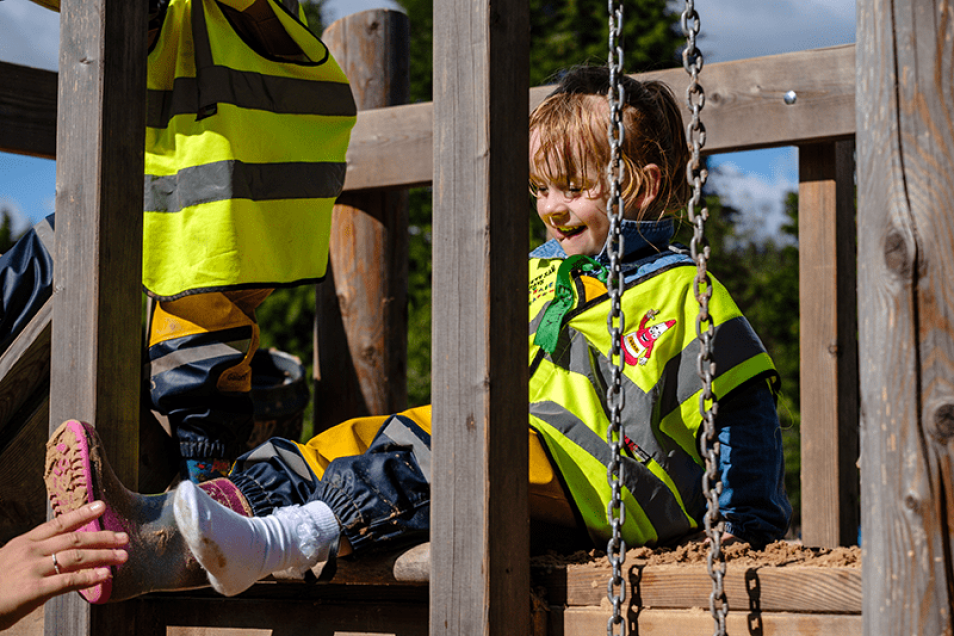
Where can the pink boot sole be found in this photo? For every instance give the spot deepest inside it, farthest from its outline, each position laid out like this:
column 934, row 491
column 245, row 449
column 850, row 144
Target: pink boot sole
column 73, row 479
column 77, row 472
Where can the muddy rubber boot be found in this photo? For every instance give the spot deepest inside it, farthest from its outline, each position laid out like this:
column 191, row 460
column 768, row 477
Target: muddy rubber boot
column 77, row 472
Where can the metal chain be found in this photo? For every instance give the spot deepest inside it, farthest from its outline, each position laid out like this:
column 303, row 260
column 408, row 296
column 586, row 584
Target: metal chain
column 615, row 322
column 693, row 61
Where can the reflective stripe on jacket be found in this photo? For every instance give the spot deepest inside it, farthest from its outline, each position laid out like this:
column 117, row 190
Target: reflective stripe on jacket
column 245, row 155
column 662, row 468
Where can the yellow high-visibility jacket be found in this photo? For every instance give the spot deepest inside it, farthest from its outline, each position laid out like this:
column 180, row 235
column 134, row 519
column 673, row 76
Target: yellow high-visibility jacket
column 245, row 152
column 661, row 487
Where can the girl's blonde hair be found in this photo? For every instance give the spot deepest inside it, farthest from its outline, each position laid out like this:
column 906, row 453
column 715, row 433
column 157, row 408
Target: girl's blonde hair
column 571, row 128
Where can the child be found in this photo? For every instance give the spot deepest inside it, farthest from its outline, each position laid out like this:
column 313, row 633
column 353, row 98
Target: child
column 226, row 217
column 365, row 483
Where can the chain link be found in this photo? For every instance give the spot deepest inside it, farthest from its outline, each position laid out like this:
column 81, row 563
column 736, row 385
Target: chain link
column 692, row 60
column 615, row 322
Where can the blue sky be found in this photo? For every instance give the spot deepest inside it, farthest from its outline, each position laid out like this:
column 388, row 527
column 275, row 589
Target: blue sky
column 754, row 182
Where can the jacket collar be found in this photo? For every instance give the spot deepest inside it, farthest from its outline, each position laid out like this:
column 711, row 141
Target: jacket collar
column 641, row 239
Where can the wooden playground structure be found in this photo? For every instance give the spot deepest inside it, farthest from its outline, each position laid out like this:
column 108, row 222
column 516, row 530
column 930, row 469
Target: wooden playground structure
column 877, row 361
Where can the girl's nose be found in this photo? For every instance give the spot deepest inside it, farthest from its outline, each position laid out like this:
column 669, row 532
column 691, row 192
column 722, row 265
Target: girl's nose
column 554, row 203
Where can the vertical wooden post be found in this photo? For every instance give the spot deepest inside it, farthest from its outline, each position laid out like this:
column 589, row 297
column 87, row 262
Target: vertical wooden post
column 905, row 135
column 829, row 344
column 361, row 315
column 96, row 312
column 479, row 530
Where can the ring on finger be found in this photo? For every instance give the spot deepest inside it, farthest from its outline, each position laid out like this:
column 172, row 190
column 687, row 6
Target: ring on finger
column 56, row 566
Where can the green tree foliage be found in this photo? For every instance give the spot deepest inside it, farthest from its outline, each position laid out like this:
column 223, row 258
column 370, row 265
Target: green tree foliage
column 315, row 15
column 563, row 33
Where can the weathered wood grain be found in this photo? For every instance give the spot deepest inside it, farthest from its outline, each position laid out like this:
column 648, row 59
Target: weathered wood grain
column 25, row 365
column 744, row 109
column 392, row 147
column 650, row 622
column 828, row 345
column 22, row 493
column 777, row 589
column 97, row 279
column 480, row 529
column 361, row 315
column 905, row 141
column 28, row 110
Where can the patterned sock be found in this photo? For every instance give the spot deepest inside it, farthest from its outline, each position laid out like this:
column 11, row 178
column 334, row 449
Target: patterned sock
column 199, row 470
column 237, row 551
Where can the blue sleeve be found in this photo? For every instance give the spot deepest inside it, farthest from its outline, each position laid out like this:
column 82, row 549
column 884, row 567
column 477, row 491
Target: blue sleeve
column 26, row 280
column 752, row 465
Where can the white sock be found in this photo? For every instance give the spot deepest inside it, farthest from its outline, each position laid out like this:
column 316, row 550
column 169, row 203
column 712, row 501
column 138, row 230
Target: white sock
column 237, row 551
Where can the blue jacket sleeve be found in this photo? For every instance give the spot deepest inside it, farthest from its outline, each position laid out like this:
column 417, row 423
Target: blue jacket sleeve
column 26, row 280
column 752, row 465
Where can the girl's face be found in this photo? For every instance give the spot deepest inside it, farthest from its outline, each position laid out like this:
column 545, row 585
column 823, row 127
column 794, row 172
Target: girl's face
column 576, row 218
column 573, row 215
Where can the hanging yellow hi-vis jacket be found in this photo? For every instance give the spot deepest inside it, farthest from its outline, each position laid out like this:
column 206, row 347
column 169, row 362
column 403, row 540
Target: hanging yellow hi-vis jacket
column 245, row 153
column 571, row 370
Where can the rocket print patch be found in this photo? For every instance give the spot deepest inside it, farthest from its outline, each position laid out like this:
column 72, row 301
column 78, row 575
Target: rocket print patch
column 638, row 345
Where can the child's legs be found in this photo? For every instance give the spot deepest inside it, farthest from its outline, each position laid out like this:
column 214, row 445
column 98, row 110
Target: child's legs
column 200, row 353
column 381, row 495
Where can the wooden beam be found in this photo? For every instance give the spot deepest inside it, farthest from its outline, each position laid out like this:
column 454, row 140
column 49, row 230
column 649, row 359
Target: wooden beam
column 828, row 310
column 22, row 492
column 905, row 127
column 97, row 279
column 360, row 353
column 25, row 365
column 745, row 109
column 392, row 147
column 480, row 519
column 831, row 590
column 575, row 621
column 28, row 104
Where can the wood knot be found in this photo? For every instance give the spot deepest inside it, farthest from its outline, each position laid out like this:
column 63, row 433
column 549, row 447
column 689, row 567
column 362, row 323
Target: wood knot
column 911, row 503
column 896, row 253
column 944, row 423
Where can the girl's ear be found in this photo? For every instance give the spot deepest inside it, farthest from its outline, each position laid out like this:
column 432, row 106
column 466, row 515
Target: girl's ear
column 648, row 190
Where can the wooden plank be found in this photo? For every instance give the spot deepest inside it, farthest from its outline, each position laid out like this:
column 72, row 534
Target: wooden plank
column 22, row 493
column 96, row 305
column 361, row 315
column 589, row 621
column 828, row 312
column 776, row 589
column 253, row 617
column 392, row 147
column 906, row 313
column 25, row 365
column 28, row 108
column 480, row 530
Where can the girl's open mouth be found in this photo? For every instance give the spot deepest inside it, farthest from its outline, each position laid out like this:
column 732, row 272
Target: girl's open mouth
column 568, row 232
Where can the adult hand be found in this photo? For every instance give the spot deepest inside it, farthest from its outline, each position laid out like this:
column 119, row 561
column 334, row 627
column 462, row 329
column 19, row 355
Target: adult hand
column 53, row 559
